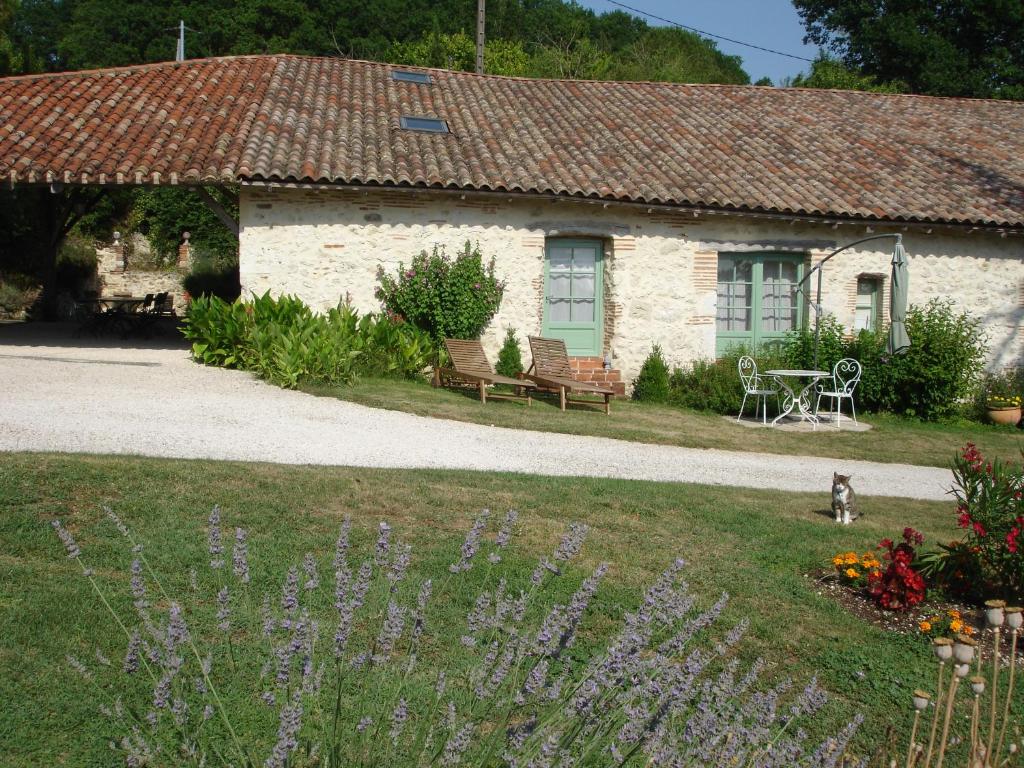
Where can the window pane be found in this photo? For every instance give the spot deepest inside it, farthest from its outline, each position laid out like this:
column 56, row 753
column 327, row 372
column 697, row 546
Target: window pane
column 584, row 259
column 558, row 286
column 583, row 311
column 866, row 286
column 734, row 269
column 582, row 286
column 778, row 320
column 560, row 259
column 863, row 320
column 558, row 310
column 735, row 319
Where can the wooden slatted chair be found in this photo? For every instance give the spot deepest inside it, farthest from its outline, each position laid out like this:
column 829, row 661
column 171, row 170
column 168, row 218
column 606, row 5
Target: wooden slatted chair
column 550, row 368
column 469, row 364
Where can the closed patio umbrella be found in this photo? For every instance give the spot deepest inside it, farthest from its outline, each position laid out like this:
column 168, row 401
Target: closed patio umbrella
column 899, row 341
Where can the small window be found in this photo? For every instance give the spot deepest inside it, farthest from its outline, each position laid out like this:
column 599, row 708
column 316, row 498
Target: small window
column 866, row 317
column 411, row 77
column 428, row 124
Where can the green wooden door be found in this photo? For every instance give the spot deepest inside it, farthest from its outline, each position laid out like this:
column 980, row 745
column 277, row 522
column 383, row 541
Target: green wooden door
column 573, row 308
column 757, row 299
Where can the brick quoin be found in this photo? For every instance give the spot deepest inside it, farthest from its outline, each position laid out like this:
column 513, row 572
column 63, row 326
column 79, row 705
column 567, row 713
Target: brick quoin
column 591, row 369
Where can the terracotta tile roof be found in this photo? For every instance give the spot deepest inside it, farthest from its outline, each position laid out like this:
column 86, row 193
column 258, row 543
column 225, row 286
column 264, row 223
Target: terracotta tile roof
column 308, row 120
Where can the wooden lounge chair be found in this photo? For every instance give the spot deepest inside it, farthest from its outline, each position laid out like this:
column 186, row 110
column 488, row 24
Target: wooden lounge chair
column 469, row 364
column 550, row 368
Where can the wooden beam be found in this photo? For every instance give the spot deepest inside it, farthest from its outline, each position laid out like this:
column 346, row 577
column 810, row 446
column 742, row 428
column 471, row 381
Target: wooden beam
column 219, row 211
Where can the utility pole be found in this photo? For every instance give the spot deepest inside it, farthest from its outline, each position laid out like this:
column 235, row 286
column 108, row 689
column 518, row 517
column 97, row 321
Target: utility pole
column 480, row 14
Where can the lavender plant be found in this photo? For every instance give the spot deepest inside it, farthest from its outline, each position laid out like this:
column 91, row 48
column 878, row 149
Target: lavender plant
column 355, row 670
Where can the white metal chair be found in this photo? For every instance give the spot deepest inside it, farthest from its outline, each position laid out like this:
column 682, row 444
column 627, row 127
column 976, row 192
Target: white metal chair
column 756, row 385
column 842, row 383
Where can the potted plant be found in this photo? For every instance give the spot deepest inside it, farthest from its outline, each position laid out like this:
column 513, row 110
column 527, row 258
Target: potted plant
column 1002, row 401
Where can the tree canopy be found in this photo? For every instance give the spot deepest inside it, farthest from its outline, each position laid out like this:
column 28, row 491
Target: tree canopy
column 966, row 48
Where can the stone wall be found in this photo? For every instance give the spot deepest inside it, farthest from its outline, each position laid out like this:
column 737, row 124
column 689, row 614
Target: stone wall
column 660, row 267
column 113, row 278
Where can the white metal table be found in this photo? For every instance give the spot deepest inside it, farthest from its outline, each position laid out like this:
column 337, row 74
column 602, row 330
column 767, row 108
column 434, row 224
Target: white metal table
column 790, row 399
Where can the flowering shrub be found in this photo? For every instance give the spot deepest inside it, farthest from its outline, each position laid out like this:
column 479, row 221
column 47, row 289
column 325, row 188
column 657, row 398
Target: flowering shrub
column 899, row 587
column 1002, row 390
column 855, row 570
column 444, row 296
column 945, row 624
column 989, row 560
column 353, row 672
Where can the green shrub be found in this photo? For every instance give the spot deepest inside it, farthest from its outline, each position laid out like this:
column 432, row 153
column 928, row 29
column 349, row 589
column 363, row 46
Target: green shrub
column 17, row 292
column 76, row 264
column 208, row 278
column 510, row 358
column 283, row 341
column 714, row 385
column 798, row 349
column 652, row 383
column 444, row 296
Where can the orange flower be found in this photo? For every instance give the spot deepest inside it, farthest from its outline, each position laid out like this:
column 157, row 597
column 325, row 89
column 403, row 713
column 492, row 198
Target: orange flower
column 926, row 626
column 837, row 560
column 967, row 630
column 956, row 625
column 851, row 558
column 851, row 573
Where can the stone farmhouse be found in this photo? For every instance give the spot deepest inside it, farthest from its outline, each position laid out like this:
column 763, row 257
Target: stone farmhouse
column 620, row 215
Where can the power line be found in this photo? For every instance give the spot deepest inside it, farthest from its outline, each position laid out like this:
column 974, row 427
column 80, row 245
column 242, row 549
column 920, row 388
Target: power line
column 708, row 34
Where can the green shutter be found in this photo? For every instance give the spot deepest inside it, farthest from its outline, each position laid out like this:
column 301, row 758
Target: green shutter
column 757, row 303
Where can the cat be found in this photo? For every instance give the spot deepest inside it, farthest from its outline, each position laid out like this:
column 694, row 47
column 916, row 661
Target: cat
column 844, row 500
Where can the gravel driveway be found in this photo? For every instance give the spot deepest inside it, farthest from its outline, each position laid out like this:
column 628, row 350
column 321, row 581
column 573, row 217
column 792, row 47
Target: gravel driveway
column 63, row 394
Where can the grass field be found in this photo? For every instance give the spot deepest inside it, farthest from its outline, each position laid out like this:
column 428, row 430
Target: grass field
column 891, row 439
column 758, row 546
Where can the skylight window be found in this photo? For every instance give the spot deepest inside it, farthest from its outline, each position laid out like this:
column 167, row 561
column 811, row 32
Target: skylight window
column 427, row 124
column 411, row 77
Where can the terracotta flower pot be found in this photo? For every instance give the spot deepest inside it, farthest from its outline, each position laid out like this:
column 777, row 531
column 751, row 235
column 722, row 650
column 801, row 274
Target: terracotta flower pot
column 1004, row 415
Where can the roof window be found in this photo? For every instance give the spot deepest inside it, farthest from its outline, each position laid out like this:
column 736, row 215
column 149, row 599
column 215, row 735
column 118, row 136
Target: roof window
column 411, row 77
column 426, row 124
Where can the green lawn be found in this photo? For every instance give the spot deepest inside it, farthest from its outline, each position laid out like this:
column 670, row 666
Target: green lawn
column 759, row 546
column 890, row 440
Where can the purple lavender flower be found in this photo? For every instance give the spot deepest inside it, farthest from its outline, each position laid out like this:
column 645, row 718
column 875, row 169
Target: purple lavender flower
column 312, row 577
column 193, row 579
column 399, row 565
column 214, row 535
column 471, row 544
column 162, row 691
column 240, row 556
column 131, row 656
column 78, row 666
column 267, row 616
column 442, row 683
column 362, row 584
column 341, row 546
column 67, row 539
column 290, row 593
column 572, row 542
column 223, row 610
column 364, row 723
column 380, row 555
column 456, row 745
column 138, row 585
column 289, row 722
column 419, row 617
column 504, row 536
column 398, row 718
column 121, row 527
column 390, row 632
column 207, row 712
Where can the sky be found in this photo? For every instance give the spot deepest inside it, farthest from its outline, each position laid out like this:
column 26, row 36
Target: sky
column 768, row 23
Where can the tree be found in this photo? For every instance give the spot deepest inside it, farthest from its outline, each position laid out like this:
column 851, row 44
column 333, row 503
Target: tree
column 458, row 51
column 966, row 48
column 827, row 72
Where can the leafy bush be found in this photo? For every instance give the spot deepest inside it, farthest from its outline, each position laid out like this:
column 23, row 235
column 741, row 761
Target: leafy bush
column 209, row 278
column 444, row 296
column 510, row 358
column 285, row 342
column 937, row 375
column 989, row 560
column 17, row 292
column 714, row 385
column 798, row 350
column 364, row 670
column 652, row 383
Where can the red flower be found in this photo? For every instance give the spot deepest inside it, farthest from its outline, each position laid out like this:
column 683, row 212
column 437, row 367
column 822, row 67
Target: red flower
column 979, row 529
column 1011, row 540
column 885, row 544
column 964, row 521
